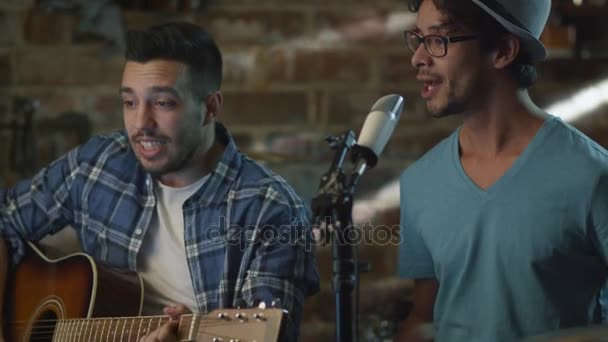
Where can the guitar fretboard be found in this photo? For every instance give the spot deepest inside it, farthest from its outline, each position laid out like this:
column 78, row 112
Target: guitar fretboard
column 122, row 329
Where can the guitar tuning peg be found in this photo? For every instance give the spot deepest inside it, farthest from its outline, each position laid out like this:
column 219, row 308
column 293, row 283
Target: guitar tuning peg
column 259, row 316
column 241, row 316
column 276, row 303
column 262, row 305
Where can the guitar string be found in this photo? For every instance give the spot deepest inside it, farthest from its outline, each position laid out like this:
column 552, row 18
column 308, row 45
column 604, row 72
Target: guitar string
column 52, row 327
column 138, row 333
column 122, row 337
column 101, row 319
column 129, row 336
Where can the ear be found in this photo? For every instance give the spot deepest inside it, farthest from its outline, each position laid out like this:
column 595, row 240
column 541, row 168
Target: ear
column 213, row 103
column 507, row 52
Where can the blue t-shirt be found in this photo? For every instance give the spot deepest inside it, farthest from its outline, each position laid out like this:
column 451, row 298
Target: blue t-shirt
column 525, row 256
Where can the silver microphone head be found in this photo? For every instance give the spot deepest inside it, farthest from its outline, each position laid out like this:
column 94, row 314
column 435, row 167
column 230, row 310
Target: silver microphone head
column 380, row 123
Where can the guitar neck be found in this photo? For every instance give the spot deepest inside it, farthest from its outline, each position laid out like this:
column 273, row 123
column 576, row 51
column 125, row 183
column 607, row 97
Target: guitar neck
column 122, row 329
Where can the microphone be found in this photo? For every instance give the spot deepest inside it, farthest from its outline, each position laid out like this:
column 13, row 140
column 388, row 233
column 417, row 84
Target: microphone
column 375, row 133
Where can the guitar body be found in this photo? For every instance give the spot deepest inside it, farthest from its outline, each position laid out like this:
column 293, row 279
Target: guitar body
column 41, row 291
column 75, row 299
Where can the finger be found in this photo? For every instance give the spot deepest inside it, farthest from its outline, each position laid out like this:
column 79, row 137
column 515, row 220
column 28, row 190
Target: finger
column 176, row 310
column 151, row 337
column 167, row 332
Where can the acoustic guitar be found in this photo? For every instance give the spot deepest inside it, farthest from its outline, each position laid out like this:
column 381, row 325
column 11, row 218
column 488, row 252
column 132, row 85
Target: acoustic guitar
column 77, row 299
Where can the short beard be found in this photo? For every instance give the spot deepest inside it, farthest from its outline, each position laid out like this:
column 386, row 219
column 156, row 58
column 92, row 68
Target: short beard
column 453, row 108
column 173, row 166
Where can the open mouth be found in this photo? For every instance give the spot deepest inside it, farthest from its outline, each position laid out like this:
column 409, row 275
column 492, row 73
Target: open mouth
column 149, row 148
column 430, row 88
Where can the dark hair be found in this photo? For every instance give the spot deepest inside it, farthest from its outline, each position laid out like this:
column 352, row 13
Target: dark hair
column 467, row 15
column 183, row 42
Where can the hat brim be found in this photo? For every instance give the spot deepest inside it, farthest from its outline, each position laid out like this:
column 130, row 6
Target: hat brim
column 532, row 45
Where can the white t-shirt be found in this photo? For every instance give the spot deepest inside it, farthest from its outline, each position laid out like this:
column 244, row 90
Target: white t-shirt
column 162, row 259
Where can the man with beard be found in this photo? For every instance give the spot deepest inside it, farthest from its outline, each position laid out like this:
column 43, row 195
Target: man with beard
column 169, row 195
column 505, row 222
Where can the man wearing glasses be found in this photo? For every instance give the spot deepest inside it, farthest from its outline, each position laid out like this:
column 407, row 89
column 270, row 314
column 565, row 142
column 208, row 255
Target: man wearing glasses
column 505, row 222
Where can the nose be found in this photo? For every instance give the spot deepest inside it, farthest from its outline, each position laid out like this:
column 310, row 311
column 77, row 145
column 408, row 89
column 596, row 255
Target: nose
column 143, row 117
column 421, row 57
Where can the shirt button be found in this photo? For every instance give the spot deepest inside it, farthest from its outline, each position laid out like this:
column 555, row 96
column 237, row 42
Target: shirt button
column 138, row 231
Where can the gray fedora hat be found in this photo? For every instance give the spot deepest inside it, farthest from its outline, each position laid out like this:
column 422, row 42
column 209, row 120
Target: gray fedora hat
column 525, row 19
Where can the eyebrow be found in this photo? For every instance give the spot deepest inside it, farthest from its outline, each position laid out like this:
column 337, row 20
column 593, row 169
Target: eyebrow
column 155, row 89
column 441, row 27
column 123, row 90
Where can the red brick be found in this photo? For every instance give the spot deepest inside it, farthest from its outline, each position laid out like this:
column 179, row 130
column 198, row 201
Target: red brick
column 238, row 65
column 395, row 67
column 360, row 25
column 106, row 121
column 43, row 66
column 16, row 5
column 80, row 66
column 305, row 146
column 56, row 136
column 569, row 70
column 51, row 102
column 264, row 108
column 244, row 141
column 106, row 103
column 10, row 28
column 336, row 66
column 4, row 107
column 253, row 26
column 6, row 74
column 49, row 27
column 105, row 110
column 274, row 64
column 350, row 108
column 315, row 330
column 90, row 66
column 138, row 20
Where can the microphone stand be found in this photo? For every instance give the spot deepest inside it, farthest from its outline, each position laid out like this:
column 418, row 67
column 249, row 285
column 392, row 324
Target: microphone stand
column 332, row 212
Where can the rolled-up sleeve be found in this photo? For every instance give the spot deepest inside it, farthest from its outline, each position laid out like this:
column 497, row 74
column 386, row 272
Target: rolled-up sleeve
column 39, row 206
column 282, row 266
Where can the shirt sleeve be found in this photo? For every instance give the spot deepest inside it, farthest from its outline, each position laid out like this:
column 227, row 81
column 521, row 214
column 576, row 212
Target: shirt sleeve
column 283, row 265
column 37, row 207
column 415, row 261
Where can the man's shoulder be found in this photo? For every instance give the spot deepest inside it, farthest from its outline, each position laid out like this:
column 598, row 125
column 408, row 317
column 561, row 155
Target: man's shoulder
column 575, row 146
column 432, row 161
column 105, row 145
column 257, row 179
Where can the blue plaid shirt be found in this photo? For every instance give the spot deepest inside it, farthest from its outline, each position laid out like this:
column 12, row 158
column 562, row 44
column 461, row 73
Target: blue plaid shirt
column 247, row 233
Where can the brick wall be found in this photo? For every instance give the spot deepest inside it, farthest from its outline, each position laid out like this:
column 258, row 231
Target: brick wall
column 295, row 72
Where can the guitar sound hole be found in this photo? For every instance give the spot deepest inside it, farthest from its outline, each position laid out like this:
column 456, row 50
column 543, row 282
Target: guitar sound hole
column 44, row 327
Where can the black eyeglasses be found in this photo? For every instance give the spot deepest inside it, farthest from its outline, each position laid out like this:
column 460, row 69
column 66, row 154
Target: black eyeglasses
column 435, row 45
